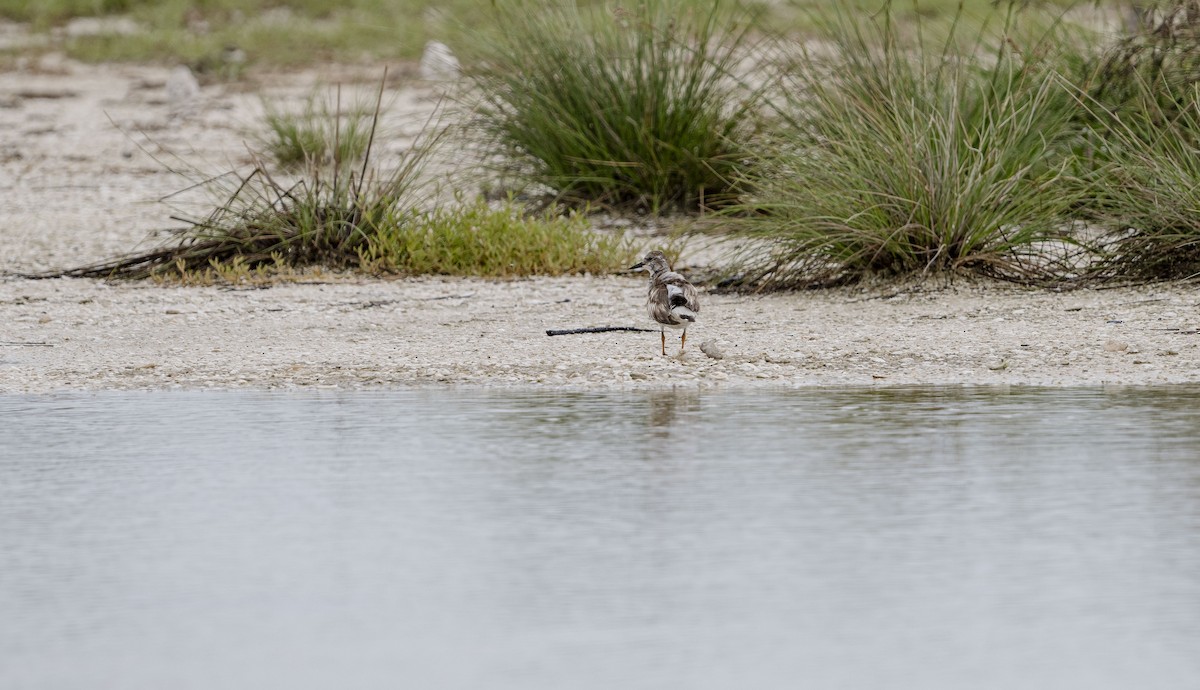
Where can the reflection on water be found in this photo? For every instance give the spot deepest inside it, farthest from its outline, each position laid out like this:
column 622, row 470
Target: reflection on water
column 882, row 538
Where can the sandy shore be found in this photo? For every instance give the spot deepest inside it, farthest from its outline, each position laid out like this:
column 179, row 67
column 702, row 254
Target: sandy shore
column 77, row 188
column 82, row 334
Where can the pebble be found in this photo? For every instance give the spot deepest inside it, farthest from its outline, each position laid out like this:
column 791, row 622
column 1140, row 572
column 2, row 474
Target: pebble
column 101, row 26
column 710, row 348
column 1115, row 346
column 182, row 89
column 438, row 63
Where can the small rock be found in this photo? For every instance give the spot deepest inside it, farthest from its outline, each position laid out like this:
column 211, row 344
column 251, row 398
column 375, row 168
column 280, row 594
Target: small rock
column 998, row 365
column 182, row 88
column 438, row 63
column 53, row 63
column 101, row 26
column 233, row 56
column 1115, row 346
column 710, row 348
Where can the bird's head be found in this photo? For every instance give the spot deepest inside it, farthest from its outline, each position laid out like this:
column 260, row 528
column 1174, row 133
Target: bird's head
column 654, row 262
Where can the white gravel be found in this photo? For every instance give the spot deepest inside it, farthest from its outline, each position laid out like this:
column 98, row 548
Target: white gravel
column 76, row 190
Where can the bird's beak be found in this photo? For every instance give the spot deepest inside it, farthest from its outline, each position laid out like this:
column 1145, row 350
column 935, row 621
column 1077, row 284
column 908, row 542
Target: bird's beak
column 637, row 266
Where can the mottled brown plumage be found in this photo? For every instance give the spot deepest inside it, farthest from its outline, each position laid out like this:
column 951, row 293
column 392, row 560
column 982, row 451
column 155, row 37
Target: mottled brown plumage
column 672, row 300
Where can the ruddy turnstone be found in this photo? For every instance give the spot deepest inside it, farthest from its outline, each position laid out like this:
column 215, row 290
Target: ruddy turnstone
column 672, row 299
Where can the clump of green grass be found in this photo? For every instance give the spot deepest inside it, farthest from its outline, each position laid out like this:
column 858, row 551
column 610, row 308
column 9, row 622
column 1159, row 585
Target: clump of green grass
column 896, row 158
column 1147, row 191
column 265, row 223
column 320, row 134
column 634, row 109
column 1140, row 119
column 476, row 239
column 325, row 216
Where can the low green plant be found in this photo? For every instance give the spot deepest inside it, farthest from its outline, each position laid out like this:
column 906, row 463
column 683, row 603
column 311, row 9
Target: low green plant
column 894, row 157
column 320, row 134
column 478, row 239
column 630, row 109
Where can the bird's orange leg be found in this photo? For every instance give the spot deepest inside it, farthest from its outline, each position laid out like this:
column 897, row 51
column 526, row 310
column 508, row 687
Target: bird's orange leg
column 663, row 333
column 683, row 341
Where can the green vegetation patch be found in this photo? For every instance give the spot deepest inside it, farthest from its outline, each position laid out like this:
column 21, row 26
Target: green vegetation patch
column 1139, row 116
column 638, row 109
column 477, row 239
column 267, row 32
column 1146, row 191
column 305, row 32
column 895, row 156
column 341, row 212
column 320, row 134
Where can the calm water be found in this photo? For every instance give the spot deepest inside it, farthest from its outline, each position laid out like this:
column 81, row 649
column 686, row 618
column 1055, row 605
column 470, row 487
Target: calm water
column 874, row 539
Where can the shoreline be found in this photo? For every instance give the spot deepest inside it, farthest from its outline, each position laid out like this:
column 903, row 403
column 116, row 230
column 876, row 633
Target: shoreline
column 88, row 335
column 83, row 189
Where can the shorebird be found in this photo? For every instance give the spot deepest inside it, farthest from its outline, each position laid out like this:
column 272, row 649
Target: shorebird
column 672, row 299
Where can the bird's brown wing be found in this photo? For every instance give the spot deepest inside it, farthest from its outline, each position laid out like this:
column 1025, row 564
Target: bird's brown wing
column 658, row 303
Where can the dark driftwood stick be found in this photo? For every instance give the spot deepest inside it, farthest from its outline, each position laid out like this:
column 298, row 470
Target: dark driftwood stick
column 598, row 329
